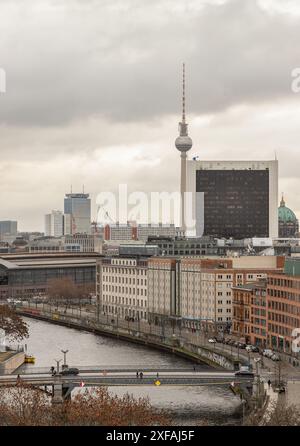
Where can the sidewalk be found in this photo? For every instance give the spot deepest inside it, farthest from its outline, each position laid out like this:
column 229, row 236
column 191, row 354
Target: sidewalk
column 271, row 404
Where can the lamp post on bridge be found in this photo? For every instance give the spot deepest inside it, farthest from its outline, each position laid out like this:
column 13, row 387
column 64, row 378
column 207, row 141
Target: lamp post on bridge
column 57, row 364
column 65, row 366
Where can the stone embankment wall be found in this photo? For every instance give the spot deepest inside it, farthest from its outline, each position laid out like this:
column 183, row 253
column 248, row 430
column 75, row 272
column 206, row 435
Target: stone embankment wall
column 12, row 363
column 181, row 348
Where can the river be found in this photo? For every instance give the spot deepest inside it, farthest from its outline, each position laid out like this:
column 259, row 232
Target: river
column 213, row 405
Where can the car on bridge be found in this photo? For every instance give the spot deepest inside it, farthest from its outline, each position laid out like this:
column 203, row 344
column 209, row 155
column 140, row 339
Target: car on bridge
column 70, row 371
column 244, row 371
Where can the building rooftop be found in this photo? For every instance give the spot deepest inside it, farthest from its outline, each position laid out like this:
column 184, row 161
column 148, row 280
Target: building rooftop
column 52, row 262
column 261, row 284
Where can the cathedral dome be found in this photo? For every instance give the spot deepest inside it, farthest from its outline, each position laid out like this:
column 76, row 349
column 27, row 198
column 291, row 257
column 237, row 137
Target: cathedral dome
column 285, row 214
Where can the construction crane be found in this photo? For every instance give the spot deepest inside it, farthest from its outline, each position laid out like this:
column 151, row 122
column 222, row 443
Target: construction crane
column 95, row 222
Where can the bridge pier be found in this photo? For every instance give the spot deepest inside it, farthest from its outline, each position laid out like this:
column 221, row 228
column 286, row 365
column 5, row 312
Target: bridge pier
column 61, row 391
column 57, row 397
column 67, row 391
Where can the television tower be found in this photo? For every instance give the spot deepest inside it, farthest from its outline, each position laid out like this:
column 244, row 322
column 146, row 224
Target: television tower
column 183, row 143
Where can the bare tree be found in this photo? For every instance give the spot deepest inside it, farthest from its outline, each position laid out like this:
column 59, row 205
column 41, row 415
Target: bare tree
column 26, row 406
column 280, row 414
column 13, row 325
column 63, row 291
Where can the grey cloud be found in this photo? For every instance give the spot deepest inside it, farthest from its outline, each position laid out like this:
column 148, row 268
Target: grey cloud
column 94, row 90
column 123, row 60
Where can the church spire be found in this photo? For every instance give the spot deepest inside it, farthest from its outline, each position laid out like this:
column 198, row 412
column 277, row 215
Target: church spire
column 282, row 203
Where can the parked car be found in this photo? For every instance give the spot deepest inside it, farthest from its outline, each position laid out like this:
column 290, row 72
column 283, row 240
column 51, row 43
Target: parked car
column 249, row 348
column 212, row 341
column 275, row 357
column 255, row 349
column 241, row 345
column 244, row 371
column 267, row 352
column 70, row 371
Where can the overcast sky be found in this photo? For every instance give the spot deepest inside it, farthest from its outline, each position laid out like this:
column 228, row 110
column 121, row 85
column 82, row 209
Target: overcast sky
column 94, row 88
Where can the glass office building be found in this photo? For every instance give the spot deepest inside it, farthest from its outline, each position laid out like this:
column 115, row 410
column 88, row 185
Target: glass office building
column 77, row 210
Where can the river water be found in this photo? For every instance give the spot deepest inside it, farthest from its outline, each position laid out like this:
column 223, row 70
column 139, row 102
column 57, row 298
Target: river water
column 213, row 405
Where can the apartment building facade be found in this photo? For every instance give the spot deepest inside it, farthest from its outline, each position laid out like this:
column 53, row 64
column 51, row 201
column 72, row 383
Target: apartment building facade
column 122, row 287
column 283, row 304
column 266, row 314
column 250, row 313
column 199, row 291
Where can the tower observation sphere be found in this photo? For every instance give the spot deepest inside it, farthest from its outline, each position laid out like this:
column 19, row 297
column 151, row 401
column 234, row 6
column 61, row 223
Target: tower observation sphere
column 183, row 143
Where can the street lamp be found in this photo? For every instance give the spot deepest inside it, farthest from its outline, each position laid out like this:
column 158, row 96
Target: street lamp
column 57, row 364
column 65, row 358
column 244, row 402
column 257, row 361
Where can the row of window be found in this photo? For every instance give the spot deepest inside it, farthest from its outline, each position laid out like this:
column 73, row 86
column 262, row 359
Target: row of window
column 126, row 290
column 127, row 271
column 127, row 280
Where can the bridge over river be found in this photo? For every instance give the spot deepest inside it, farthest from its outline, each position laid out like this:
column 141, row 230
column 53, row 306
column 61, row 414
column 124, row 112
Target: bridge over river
column 93, row 376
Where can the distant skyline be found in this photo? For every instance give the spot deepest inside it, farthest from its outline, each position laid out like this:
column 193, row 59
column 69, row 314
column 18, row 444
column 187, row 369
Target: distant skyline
column 93, row 95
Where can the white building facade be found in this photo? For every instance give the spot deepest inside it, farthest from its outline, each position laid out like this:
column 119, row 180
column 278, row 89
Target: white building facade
column 122, row 287
column 54, row 224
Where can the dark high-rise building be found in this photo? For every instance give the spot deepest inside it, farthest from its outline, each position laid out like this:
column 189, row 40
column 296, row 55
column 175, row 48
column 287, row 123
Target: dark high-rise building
column 234, row 198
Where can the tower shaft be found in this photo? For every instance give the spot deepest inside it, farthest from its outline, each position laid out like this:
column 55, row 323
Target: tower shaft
column 183, row 157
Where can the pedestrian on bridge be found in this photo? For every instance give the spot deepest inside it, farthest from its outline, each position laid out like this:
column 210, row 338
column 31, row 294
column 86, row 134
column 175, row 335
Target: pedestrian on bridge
column 269, row 383
column 141, row 375
column 157, row 375
column 137, row 373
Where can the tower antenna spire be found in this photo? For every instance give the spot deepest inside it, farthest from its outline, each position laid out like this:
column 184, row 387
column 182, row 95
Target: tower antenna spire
column 183, row 127
column 183, row 93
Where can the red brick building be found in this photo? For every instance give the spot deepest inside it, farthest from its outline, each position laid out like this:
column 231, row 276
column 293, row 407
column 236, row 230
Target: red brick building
column 250, row 312
column 283, row 298
column 265, row 313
